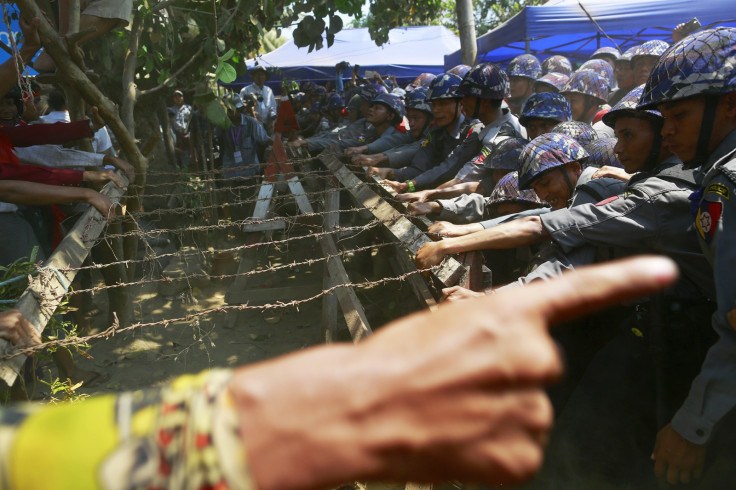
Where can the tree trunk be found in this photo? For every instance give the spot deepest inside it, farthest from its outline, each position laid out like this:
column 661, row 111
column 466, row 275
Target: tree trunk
column 163, row 118
column 466, row 27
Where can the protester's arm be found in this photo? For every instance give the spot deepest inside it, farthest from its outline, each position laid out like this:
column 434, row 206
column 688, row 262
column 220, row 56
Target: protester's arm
column 33, row 194
column 48, row 134
column 525, row 231
column 16, row 329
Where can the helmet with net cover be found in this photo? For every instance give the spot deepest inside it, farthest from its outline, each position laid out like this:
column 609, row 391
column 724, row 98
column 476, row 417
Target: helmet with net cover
column 505, row 155
column 334, row 101
column 485, row 81
column 579, row 131
column 393, row 103
column 655, row 47
column 507, row 191
column 459, row 70
column 545, row 153
column 627, row 55
column 601, row 154
column 587, row 83
column 601, row 53
column 417, row 99
column 525, row 65
column 627, row 106
column 545, row 105
column 444, row 87
column 557, row 64
column 423, row 80
column 702, row 64
column 368, row 92
column 554, row 80
column 601, row 67
column 399, row 92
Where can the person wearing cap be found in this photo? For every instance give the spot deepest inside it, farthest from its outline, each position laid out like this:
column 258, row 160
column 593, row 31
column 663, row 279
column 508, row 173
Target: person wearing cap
column 386, row 116
column 243, row 145
column 624, row 75
column 266, row 108
column 181, row 116
column 523, row 71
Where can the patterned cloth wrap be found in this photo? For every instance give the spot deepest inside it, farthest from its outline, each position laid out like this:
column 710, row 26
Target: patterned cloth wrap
column 606, row 50
column 525, row 65
column 507, row 191
column 546, row 105
column 555, row 80
column 505, row 155
column 579, row 131
column 701, row 64
column 393, row 103
column 557, row 64
column 588, row 83
column 417, row 99
column 601, row 67
column 602, row 154
column 628, row 105
column 459, row 70
column 485, row 81
column 444, row 87
column 547, row 152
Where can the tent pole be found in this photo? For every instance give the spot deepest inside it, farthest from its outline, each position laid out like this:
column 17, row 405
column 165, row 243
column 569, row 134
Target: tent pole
column 526, row 45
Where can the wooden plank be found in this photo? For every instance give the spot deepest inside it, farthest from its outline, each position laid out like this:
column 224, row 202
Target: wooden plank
column 329, row 301
column 263, row 202
column 349, row 303
column 248, row 262
column 449, row 271
column 46, row 291
column 403, row 265
column 388, row 190
column 278, row 224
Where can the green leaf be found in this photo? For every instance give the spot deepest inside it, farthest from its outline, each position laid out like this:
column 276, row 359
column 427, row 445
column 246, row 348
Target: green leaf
column 227, row 55
column 225, row 72
column 217, row 114
column 221, row 45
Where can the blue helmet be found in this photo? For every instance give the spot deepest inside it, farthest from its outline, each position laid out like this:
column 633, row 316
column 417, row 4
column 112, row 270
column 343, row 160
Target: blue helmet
column 334, row 101
column 627, row 106
column 601, row 53
column 655, row 48
column 579, row 131
column 545, row 105
column 368, row 92
column 601, row 153
column 316, row 107
column 505, row 155
column 557, row 64
column 587, row 83
column 525, row 65
column 459, row 70
column 393, row 103
column 553, row 80
column 423, row 80
column 507, row 190
column 444, row 87
column 485, row 81
column 417, row 99
column 601, row 67
column 545, row 153
column 701, row 64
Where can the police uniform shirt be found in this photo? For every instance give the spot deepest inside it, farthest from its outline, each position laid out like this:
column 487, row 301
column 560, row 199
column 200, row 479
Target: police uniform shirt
column 652, row 215
column 713, row 392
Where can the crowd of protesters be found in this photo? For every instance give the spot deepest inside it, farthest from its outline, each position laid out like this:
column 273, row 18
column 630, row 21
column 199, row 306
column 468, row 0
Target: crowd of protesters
column 545, row 166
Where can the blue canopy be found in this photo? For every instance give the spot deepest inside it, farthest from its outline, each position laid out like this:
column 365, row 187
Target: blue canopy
column 576, row 28
column 410, row 51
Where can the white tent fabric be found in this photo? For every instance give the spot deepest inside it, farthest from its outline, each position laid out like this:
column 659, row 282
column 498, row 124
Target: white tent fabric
column 409, row 52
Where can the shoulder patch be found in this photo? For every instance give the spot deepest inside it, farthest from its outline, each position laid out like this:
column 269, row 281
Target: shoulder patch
column 706, row 220
column 425, row 142
column 719, row 189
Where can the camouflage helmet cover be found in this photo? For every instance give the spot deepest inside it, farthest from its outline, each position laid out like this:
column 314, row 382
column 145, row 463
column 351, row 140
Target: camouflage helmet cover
column 459, row 70
column 505, row 155
column 525, row 65
column 546, row 105
column 417, row 99
column 557, row 64
column 601, row 67
column 507, row 190
column 555, row 80
column 606, row 51
column 579, row 131
column 628, row 106
column 601, row 153
column 587, row 82
column 485, row 81
column 444, row 87
column 394, row 104
column 547, row 152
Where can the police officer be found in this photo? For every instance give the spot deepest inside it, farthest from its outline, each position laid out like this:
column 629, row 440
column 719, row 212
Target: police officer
column 694, row 84
column 542, row 112
column 586, row 91
column 523, row 71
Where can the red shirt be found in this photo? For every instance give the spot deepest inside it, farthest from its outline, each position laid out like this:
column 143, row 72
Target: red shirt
column 41, row 175
column 40, row 134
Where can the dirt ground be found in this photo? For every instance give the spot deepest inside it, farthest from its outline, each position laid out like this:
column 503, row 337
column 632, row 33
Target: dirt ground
column 152, row 355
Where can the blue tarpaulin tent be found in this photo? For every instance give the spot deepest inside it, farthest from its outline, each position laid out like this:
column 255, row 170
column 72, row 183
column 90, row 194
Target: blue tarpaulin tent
column 576, row 28
column 409, row 52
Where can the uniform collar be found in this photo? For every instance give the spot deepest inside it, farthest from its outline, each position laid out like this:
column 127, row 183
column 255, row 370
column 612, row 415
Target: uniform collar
column 724, row 148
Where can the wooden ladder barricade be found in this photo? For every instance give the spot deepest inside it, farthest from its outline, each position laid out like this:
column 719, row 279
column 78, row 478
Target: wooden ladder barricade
column 46, row 291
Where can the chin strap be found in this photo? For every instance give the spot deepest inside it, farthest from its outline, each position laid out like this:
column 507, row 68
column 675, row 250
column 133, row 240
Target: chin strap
column 570, row 187
column 653, row 158
column 706, row 131
column 476, row 112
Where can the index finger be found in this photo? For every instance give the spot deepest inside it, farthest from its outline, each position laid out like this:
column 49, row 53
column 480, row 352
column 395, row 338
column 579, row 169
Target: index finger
column 591, row 288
